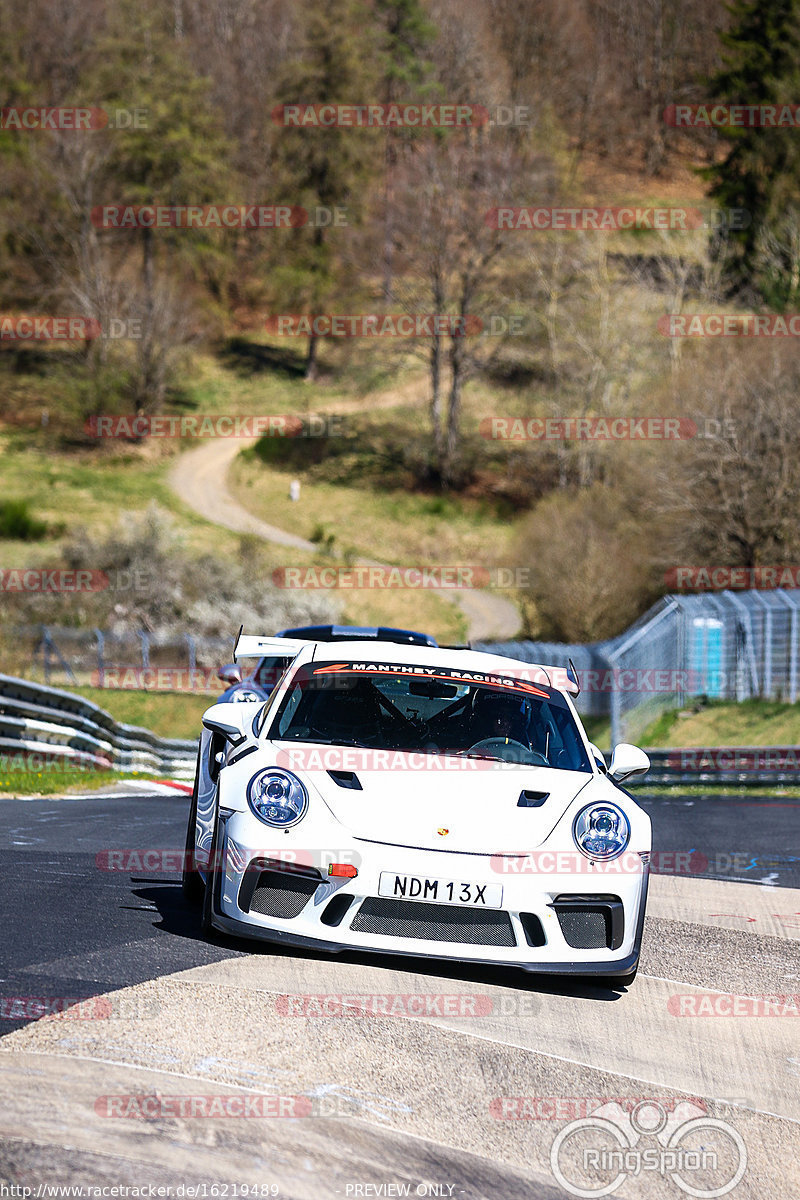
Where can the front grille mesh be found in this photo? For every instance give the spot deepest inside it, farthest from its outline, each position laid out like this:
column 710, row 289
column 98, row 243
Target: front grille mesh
column 281, row 894
column 585, row 930
column 434, row 922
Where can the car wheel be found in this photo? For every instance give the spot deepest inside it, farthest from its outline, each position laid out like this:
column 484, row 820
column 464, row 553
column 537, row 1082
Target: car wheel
column 191, row 883
column 206, row 927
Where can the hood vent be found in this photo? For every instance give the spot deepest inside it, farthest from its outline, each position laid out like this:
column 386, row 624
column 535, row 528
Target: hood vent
column 346, row 779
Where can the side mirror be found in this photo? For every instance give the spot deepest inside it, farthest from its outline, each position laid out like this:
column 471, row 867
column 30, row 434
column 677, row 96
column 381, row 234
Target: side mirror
column 626, row 761
column 233, row 721
column 231, row 673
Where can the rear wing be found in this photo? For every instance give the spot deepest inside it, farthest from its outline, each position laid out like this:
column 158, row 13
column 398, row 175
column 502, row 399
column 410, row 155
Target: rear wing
column 253, row 646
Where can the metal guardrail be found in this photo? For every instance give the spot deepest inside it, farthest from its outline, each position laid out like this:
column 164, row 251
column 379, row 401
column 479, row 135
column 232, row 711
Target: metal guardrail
column 743, row 765
column 36, row 720
column 72, row 656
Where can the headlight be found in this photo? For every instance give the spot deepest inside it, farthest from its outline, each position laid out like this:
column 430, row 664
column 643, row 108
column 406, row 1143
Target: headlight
column 245, row 697
column 277, row 797
column 601, row 831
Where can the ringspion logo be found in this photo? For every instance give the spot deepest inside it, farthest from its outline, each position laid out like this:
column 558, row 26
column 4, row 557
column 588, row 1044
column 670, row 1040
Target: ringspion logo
column 703, row 1155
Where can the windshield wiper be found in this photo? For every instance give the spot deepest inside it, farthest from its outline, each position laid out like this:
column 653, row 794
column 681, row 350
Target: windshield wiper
column 321, row 741
column 495, row 758
column 488, row 757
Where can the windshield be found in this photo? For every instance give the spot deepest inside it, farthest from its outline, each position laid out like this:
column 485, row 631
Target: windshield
column 269, row 671
column 435, row 710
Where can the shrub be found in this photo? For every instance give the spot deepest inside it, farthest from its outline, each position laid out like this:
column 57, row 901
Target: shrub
column 18, row 524
column 591, row 573
column 155, row 584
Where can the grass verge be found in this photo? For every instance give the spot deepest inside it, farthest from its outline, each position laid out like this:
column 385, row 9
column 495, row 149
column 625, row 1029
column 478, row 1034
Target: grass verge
column 47, row 783
column 714, row 723
column 722, row 723
column 712, row 791
column 169, row 714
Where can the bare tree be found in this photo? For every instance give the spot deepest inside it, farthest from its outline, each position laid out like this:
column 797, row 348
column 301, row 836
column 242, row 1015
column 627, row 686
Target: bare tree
column 78, row 266
column 582, row 306
column 777, row 258
column 681, row 268
column 452, row 257
column 733, row 491
column 165, row 327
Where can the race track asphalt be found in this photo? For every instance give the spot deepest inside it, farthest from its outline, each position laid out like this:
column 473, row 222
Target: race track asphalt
column 472, row 1101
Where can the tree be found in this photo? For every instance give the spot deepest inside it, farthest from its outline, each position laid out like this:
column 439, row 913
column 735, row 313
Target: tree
column 240, row 48
column 404, row 36
column 588, row 558
column 324, row 167
column 604, row 70
column 579, row 303
column 178, row 157
column 452, row 257
column 179, row 154
column 15, row 88
column 761, row 171
column 733, row 496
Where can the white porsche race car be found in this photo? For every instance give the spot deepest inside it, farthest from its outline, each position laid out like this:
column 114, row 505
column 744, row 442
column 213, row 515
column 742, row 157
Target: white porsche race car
column 406, row 799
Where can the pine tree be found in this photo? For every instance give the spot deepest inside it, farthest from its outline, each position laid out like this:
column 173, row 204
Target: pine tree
column 406, row 33
column 761, row 171
column 178, row 155
column 324, row 167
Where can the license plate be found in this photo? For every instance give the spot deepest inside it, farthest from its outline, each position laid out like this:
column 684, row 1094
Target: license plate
column 440, row 891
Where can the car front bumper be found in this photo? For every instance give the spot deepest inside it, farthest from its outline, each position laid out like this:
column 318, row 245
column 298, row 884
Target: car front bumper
column 530, row 931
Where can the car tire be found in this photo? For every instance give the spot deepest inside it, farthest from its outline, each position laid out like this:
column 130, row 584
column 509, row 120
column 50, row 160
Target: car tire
column 191, row 883
column 206, row 916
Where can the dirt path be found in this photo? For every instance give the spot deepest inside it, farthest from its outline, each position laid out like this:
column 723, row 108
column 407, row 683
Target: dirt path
column 199, row 479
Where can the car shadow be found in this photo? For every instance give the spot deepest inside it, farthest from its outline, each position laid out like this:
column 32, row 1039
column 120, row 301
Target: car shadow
column 181, row 919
